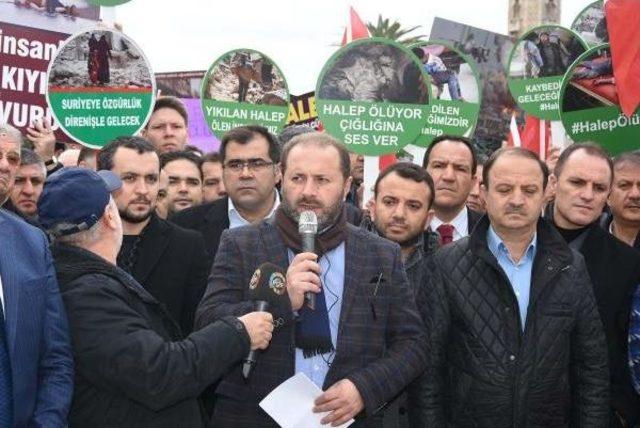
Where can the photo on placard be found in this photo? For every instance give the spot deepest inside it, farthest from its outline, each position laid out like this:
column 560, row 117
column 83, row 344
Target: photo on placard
column 591, row 84
column 246, row 76
column 374, row 72
column 100, row 87
column 70, row 8
column 451, row 76
column 62, row 16
column 545, row 52
column 99, row 59
column 591, row 24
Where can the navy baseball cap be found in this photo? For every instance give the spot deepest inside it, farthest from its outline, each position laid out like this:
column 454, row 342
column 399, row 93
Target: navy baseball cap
column 74, row 199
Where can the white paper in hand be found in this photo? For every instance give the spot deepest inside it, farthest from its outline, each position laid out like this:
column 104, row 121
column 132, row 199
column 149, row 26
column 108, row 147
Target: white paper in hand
column 291, row 404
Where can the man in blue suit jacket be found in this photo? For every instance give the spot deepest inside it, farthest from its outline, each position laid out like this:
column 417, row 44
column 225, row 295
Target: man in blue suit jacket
column 36, row 337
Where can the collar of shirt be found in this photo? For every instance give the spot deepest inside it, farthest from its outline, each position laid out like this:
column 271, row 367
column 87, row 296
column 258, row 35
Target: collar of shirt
column 460, row 224
column 236, row 220
column 497, row 247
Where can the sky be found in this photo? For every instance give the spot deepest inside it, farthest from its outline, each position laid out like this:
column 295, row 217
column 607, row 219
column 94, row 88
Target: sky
column 298, row 35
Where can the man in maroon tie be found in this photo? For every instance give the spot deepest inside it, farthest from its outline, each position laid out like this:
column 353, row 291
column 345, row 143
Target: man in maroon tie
column 452, row 162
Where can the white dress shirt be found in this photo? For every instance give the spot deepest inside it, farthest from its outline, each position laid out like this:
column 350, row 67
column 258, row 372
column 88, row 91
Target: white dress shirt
column 236, row 220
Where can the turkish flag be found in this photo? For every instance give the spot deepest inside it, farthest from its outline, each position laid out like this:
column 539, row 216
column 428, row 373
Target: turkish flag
column 535, row 136
column 623, row 24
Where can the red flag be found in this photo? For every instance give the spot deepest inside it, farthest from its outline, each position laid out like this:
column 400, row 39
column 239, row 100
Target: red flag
column 535, row 136
column 623, row 24
column 355, row 28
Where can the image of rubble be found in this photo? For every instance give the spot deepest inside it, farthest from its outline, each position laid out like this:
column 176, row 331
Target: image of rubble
column 374, row 71
column 246, row 77
column 100, row 59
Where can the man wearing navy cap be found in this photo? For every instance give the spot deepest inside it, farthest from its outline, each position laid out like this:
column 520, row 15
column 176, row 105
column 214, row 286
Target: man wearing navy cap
column 133, row 368
column 36, row 368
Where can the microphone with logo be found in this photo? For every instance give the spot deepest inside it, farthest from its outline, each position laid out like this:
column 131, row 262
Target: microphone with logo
column 267, row 289
column 308, row 228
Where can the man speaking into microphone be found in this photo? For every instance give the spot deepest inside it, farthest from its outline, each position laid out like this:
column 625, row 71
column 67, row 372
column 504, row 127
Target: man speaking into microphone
column 362, row 343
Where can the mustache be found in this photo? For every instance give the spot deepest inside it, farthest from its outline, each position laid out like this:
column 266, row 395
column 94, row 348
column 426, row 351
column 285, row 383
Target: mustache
column 308, row 201
column 514, row 210
column 141, row 200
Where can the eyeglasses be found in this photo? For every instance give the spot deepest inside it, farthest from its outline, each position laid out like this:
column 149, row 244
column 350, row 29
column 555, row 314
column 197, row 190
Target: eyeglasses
column 253, row 165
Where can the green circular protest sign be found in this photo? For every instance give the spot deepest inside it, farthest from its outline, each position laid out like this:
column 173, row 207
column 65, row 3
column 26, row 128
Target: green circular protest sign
column 591, row 108
column 373, row 96
column 537, row 65
column 108, row 2
column 100, row 87
column 591, row 25
column 244, row 87
column 455, row 89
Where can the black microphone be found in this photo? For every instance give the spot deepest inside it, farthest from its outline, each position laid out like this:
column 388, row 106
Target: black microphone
column 267, row 289
column 307, row 228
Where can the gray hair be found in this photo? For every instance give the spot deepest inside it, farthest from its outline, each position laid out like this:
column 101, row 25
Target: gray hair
column 84, row 237
column 29, row 157
column 78, row 239
column 11, row 132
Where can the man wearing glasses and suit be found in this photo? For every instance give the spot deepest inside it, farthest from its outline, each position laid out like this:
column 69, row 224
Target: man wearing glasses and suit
column 250, row 156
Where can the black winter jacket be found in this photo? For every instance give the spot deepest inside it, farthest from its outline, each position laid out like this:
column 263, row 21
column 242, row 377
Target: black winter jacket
column 483, row 370
column 132, row 368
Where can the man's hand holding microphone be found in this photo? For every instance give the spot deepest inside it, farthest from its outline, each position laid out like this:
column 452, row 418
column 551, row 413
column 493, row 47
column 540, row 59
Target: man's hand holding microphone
column 259, row 326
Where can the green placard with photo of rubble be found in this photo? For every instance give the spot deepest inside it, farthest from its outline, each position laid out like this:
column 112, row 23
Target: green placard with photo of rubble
column 100, row 87
column 244, row 87
column 591, row 108
column 537, row 65
column 455, row 89
column 373, row 96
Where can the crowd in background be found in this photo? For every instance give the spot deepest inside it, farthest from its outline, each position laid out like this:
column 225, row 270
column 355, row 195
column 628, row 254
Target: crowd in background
column 468, row 291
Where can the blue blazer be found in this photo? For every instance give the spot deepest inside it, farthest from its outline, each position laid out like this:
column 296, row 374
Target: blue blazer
column 36, row 326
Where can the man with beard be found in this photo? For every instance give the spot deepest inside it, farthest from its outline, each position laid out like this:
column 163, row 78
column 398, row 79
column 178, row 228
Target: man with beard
column 27, row 187
column 582, row 182
column 184, row 180
column 363, row 343
column 170, row 262
column 403, row 195
column 624, row 200
column 451, row 161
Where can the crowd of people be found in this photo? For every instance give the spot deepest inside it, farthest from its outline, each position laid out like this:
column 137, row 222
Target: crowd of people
column 468, row 292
